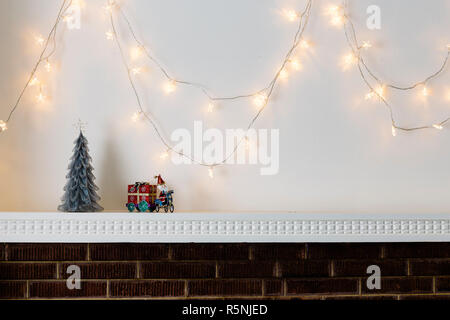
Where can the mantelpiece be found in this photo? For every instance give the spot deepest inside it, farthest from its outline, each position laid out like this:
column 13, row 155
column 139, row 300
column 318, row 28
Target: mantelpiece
column 221, row 227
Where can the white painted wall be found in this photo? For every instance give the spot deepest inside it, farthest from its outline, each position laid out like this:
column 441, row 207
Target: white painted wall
column 337, row 152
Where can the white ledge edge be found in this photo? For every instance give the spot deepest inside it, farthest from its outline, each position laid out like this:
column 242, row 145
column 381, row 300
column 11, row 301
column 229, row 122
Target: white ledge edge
column 114, row 227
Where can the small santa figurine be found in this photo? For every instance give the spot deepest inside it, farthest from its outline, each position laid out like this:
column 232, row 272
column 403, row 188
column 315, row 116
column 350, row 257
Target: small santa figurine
column 161, row 184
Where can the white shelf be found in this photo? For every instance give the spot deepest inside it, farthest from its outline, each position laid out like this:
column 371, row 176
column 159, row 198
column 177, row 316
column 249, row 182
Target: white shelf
column 221, row 227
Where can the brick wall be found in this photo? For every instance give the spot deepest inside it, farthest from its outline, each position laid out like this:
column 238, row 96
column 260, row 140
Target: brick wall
column 161, row 271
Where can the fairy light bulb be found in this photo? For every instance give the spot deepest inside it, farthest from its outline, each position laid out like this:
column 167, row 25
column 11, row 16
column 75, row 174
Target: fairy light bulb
column 379, row 92
column 34, row 82
column 284, row 74
column 211, row 172
column 348, row 60
column 336, row 17
column 438, row 126
column 366, row 45
column 48, row 66
column 260, row 100
column 164, row 155
column 135, row 117
column 109, row 35
column 39, row 40
column 170, row 87
column 3, row 126
column 394, row 131
column 305, row 44
column 136, row 52
column 295, row 64
column 426, row 92
column 110, row 6
column 136, row 71
column 211, row 107
column 40, row 98
column 291, row 15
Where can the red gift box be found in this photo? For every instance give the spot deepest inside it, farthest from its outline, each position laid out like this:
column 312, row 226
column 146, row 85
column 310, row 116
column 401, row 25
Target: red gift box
column 142, row 191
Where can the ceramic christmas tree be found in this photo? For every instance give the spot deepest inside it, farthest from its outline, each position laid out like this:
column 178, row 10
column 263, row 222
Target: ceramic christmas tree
column 80, row 190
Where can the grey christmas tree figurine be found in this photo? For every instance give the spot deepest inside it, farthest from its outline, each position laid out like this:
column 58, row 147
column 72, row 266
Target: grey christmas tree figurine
column 80, row 190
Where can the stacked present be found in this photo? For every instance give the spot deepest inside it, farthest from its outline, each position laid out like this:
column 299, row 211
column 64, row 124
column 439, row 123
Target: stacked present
column 142, row 191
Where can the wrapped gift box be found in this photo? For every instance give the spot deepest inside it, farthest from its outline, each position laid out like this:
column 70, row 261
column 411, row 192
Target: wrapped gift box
column 141, row 191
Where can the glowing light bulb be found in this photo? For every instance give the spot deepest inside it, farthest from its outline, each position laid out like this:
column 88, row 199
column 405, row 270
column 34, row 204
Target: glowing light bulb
column 164, row 155
column 284, row 74
column 110, row 6
column 211, row 107
column 394, row 131
column 34, row 82
column 135, row 117
column 296, row 64
column 337, row 17
column 39, row 40
column 136, row 52
column 291, row 15
column 40, row 98
column 211, row 173
column 370, row 95
column 348, row 60
column 136, row 70
column 48, row 66
column 170, row 87
column 109, row 35
column 426, row 92
column 366, row 45
column 3, row 126
column 438, row 126
column 448, row 46
column 260, row 100
column 305, row 44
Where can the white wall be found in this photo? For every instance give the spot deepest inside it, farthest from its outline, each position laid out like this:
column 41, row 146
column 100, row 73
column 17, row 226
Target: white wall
column 337, row 153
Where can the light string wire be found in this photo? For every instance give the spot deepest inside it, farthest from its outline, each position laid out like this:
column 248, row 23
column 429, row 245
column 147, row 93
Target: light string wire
column 363, row 68
column 268, row 90
column 51, row 38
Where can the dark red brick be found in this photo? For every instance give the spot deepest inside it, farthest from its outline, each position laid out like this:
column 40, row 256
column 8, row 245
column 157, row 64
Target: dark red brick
column 443, row 284
column 302, row 269
column 282, row 251
column 27, row 271
column 322, row 286
column 177, row 270
column 58, row 289
column 2, row 252
column 102, row 270
column 147, row 288
column 246, row 270
column 401, row 285
column 343, row 251
column 418, row 250
column 225, row 288
column 46, row 252
column 350, row 268
column 193, row 251
column 430, row 267
column 128, row 251
column 12, row 289
column 435, row 297
column 365, row 298
column 273, row 287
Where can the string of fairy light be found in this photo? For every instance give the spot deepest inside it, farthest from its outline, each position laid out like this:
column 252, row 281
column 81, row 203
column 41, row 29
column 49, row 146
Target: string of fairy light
column 260, row 98
column 339, row 17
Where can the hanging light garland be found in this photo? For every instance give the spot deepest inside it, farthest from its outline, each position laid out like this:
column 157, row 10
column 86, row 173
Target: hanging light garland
column 339, row 17
column 260, row 98
column 48, row 50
